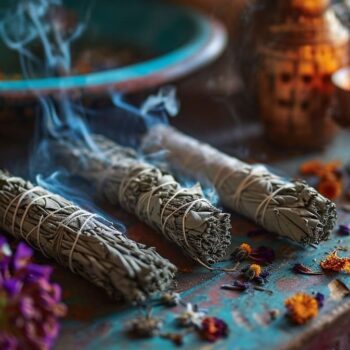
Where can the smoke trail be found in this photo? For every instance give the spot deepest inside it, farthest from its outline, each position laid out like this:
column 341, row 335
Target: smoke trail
column 31, row 21
column 36, row 30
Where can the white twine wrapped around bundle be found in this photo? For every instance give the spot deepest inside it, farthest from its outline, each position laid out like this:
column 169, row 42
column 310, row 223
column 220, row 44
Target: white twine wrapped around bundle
column 85, row 242
column 290, row 209
column 182, row 215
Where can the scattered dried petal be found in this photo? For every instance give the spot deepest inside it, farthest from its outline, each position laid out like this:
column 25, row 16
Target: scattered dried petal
column 336, row 264
column 304, row 270
column 344, row 230
column 320, row 299
column 212, row 329
column 263, row 255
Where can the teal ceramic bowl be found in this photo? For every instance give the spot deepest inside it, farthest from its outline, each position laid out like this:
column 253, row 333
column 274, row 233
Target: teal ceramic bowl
column 181, row 41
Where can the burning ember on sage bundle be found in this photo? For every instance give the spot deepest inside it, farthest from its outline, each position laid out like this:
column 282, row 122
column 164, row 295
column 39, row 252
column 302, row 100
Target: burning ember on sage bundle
column 291, row 209
column 86, row 243
column 182, row 215
column 30, row 304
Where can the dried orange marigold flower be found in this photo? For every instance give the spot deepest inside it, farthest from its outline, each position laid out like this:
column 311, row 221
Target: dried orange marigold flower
column 333, row 166
column 330, row 175
column 246, row 247
column 346, row 267
column 330, row 187
column 312, row 167
column 256, row 268
column 336, row 264
column 302, row 308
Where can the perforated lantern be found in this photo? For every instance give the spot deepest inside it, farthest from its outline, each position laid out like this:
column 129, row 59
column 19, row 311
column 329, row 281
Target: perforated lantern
column 304, row 45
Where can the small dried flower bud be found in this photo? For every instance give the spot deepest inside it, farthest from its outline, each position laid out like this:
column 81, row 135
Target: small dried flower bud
column 191, row 317
column 212, row 329
column 253, row 271
column 144, row 326
column 246, row 247
column 274, row 313
column 170, row 299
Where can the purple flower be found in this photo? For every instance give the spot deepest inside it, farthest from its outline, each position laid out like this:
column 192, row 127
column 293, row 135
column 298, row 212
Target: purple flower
column 344, row 230
column 30, row 305
column 262, row 278
column 22, row 256
column 320, row 299
column 8, row 342
column 263, row 255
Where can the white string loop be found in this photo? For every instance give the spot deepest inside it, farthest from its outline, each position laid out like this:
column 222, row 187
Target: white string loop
column 265, row 204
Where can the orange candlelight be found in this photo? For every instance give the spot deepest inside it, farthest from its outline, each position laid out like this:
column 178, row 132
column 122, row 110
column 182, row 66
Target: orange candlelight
column 341, row 82
column 305, row 44
column 311, row 7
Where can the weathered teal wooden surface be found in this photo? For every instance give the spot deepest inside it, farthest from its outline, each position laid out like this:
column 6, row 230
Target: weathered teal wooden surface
column 96, row 323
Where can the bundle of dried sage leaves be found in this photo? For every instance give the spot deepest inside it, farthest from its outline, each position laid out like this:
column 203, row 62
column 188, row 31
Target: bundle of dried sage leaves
column 289, row 208
column 182, row 215
column 86, row 243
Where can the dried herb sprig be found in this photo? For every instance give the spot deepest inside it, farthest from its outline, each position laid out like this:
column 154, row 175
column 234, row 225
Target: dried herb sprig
column 182, row 215
column 239, row 286
column 86, row 243
column 289, row 208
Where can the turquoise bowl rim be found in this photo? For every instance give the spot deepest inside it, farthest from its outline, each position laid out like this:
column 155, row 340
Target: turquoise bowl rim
column 208, row 44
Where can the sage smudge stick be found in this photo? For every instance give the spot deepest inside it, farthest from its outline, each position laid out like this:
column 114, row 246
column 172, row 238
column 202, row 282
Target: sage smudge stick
column 86, row 243
column 182, row 215
column 289, row 208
